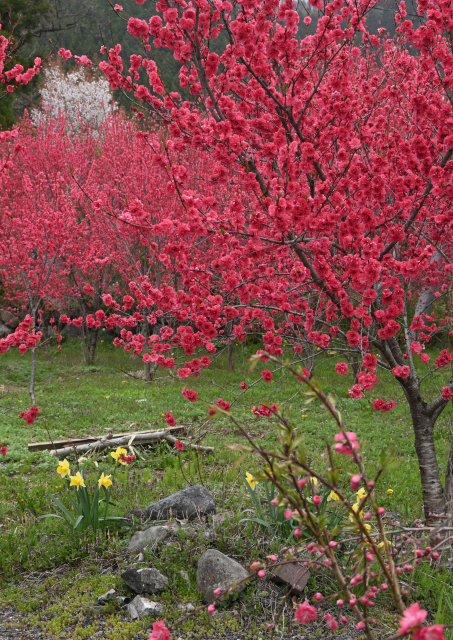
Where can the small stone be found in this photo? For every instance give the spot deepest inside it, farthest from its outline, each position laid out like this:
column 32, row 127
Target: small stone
column 140, row 607
column 292, row 574
column 185, row 608
column 140, row 557
column 147, row 538
column 190, row 503
column 106, row 596
column 146, row 580
column 220, row 518
column 218, row 571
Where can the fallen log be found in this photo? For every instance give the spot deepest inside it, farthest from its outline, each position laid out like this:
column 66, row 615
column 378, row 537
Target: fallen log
column 111, row 443
column 71, row 442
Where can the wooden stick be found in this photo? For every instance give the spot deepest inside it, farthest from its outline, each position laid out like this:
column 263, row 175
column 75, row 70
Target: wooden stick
column 111, row 443
column 59, row 444
column 200, row 447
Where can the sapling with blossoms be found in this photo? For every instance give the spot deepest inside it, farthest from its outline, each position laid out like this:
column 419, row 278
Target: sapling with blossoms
column 357, row 550
column 342, row 145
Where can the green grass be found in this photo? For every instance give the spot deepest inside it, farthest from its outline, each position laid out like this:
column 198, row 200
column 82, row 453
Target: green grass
column 76, row 400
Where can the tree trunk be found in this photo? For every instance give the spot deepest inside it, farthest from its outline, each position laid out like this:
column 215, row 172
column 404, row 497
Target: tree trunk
column 45, row 335
column 33, row 376
column 449, row 482
column 356, row 365
column 230, row 364
column 92, row 338
column 433, row 493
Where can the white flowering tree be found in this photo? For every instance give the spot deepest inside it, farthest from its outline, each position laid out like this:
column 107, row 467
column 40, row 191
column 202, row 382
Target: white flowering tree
column 79, row 95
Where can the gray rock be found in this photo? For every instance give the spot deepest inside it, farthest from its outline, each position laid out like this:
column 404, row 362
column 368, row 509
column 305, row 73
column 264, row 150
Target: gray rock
column 146, row 580
column 140, row 607
column 106, row 596
column 218, row 571
column 190, row 503
column 185, row 608
column 293, row 574
column 147, row 538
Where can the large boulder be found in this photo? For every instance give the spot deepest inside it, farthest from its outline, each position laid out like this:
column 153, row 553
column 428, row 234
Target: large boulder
column 190, row 503
column 147, row 538
column 218, row 571
column 146, row 580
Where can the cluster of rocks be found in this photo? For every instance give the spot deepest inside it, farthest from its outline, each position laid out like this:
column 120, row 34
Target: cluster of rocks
column 215, row 570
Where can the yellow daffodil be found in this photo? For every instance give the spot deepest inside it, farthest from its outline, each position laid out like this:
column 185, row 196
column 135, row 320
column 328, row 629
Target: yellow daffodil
column 333, row 496
column 116, row 455
column 367, row 526
column 314, row 481
column 355, row 508
column 104, row 481
column 389, row 490
column 63, row 469
column 250, row 481
column 381, row 544
column 77, row 480
column 361, row 493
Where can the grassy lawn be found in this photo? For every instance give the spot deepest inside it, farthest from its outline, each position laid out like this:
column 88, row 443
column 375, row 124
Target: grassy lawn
column 76, row 400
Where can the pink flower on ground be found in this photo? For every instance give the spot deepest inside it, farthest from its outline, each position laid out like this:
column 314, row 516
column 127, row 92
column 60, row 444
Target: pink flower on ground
column 179, row 445
column 211, row 608
column 412, row 617
column 160, row 631
column 3, row 451
column 330, row 622
column 266, row 375
column 341, row 368
column 306, row 613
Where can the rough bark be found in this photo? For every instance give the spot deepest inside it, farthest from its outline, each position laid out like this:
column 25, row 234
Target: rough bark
column 433, row 493
column 92, row 339
column 449, row 483
column 33, row 376
column 230, row 363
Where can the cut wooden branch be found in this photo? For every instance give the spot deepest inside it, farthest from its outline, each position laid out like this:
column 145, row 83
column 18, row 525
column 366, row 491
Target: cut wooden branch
column 73, row 442
column 111, row 443
column 200, row 447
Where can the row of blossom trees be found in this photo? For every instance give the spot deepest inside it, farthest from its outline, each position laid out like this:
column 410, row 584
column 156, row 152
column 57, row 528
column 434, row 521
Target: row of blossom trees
column 305, row 191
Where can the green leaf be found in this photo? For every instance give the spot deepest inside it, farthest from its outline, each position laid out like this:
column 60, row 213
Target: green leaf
column 61, row 506
column 257, row 520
